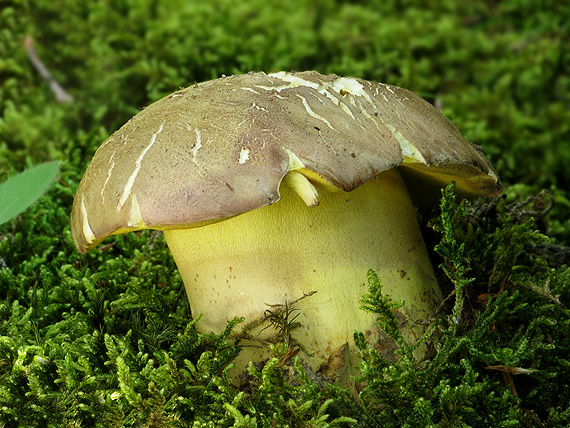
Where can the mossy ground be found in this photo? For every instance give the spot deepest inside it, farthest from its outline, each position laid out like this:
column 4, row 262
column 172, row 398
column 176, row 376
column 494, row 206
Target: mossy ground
column 107, row 338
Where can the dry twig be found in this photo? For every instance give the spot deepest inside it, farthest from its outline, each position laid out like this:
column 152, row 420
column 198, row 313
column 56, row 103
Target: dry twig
column 59, row 92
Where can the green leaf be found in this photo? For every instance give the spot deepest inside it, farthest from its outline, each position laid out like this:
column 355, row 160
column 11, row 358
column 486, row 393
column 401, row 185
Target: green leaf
column 22, row 190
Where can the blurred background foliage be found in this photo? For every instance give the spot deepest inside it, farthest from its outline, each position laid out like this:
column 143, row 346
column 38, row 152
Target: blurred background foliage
column 499, row 70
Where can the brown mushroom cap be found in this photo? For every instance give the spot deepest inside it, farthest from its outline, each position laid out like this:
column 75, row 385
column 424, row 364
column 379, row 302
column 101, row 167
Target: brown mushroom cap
column 221, row 148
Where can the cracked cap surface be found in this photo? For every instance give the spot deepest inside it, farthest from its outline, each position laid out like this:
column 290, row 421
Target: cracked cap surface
column 221, row 148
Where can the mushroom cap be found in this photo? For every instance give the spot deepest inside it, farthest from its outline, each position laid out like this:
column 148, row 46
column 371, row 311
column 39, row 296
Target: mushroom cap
column 221, row 148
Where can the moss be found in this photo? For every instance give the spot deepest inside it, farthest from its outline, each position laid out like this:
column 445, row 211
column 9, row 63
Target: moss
column 498, row 355
column 498, row 70
column 107, row 338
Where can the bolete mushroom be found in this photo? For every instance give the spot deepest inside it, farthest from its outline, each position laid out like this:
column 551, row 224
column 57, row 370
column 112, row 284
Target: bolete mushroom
column 285, row 188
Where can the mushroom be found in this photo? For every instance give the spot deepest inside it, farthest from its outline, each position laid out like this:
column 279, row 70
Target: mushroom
column 280, row 191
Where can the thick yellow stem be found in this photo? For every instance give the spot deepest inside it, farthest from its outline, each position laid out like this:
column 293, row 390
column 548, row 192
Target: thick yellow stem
column 277, row 254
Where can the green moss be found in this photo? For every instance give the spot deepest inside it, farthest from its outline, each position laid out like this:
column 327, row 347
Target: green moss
column 499, row 352
column 498, row 70
column 107, row 338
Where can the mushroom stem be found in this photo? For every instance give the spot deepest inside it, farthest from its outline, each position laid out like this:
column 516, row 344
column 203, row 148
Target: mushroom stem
column 277, row 254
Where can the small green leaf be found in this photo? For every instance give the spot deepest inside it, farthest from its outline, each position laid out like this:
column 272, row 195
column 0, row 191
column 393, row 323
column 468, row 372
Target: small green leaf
column 22, row 190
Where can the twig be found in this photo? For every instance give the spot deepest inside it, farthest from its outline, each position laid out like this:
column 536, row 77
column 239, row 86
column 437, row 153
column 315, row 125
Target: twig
column 59, row 92
column 261, row 319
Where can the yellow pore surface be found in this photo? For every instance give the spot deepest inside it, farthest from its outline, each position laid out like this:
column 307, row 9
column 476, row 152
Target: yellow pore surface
column 276, row 254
